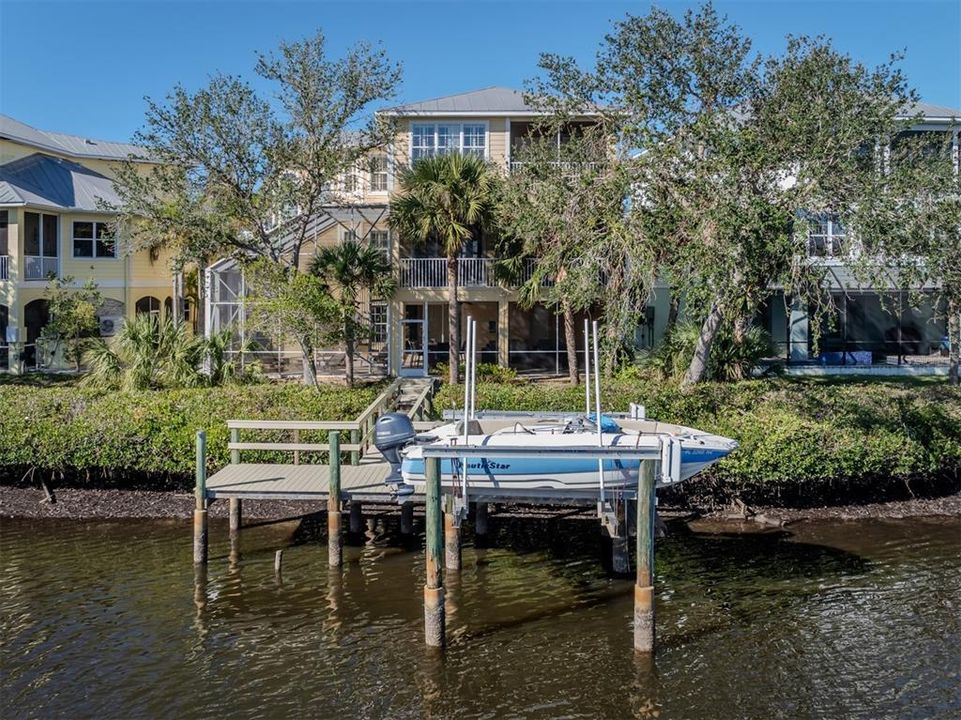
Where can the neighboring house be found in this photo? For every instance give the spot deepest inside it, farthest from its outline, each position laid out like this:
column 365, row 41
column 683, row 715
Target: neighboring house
column 411, row 328
column 52, row 224
column 875, row 326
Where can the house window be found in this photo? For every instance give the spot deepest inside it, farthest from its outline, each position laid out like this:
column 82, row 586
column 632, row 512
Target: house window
column 378, row 173
column 427, row 140
column 380, row 239
column 378, row 322
column 148, row 305
column 421, row 141
column 350, row 236
column 826, row 236
column 351, row 182
column 41, row 240
column 475, row 140
column 93, row 240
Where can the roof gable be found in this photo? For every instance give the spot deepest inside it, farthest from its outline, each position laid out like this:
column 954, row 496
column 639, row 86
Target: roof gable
column 51, row 182
column 486, row 101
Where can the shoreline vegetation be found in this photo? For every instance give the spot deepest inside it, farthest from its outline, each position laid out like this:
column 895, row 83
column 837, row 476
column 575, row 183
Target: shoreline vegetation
column 805, row 444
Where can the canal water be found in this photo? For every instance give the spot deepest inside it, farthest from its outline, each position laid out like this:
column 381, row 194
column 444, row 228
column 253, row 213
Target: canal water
column 107, row 620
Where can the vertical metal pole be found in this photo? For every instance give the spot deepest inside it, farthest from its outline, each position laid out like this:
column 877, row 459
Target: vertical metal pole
column 587, row 368
column 597, row 408
column 644, row 586
column 335, row 543
column 434, row 586
column 200, row 509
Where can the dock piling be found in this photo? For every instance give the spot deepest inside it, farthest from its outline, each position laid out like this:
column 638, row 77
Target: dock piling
column 236, row 516
column 644, row 587
column 407, row 519
column 278, row 561
column 434, row 620
column 481, row 527
column 356, row 526
column 200, row 509
column 335, row 543
column 452, row 560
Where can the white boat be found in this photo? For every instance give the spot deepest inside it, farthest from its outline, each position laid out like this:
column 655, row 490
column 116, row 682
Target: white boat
column 698, row 450
column 484, row 459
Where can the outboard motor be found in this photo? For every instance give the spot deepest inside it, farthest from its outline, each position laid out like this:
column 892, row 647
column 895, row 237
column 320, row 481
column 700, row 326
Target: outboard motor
column 393, row 432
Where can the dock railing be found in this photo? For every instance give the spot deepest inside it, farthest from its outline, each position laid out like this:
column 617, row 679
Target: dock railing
column 360, row 431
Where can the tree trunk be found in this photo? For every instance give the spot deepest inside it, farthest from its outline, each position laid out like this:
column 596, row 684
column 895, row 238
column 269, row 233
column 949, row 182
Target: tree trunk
column 310, row 367
column 349, row 364
column 673, row 310
column 954, row 340
column 740, row 329
column 570, row 339
column 453, row 320
column 697, row 371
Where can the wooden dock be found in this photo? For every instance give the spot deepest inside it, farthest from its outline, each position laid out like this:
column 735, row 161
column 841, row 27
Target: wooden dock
column 355, row 472
column 363, row 482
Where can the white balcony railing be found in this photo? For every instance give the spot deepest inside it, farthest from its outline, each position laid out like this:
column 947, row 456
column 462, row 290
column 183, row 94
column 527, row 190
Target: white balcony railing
column 4, row 267
column 423, row 272
column 40, row 268
column 471, row 272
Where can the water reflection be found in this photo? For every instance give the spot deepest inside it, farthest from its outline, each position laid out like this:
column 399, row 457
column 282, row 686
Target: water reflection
column 822, row 620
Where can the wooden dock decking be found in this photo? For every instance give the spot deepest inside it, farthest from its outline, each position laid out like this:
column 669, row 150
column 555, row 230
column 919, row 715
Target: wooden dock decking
column 258, row 481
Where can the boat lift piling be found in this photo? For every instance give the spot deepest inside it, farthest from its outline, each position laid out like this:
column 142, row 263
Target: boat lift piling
column 437, row 526
column 335, row 541
column 434, row 620
column 200, row 509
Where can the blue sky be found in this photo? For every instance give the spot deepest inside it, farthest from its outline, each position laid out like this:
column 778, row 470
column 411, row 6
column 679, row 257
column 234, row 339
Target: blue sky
column 84, row 67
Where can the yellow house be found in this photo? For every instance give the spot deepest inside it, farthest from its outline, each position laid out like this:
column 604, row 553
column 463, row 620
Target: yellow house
column 410, row 330
column 53, row 188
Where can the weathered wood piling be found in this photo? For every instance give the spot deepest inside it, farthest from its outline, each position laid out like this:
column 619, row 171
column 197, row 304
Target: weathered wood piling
column 356, row 522
column 452, row 556
column 200, row 509
column 335, row 541
column 644, row 585
column 434, row 620
column 481, row 524
column 407, row 519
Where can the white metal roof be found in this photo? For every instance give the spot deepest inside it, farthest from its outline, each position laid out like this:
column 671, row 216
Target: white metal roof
column 73, row 145
column 55, row 183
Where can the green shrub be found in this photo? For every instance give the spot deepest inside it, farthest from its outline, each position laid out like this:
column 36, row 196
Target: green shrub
column 730, row 360
column 489, row 372
column 800, row 441
column 137, row 435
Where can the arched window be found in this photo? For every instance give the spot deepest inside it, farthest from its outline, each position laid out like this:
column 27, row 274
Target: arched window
column 169, row 308
column 148, row 305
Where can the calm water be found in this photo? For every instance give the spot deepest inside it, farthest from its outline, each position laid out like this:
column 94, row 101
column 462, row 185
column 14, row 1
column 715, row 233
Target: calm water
column 832, row 620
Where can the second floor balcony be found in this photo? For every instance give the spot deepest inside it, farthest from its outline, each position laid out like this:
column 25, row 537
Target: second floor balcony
column 471, row 272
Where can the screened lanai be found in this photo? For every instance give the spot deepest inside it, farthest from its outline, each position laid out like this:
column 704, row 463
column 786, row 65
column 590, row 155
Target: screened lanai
column 227, row 307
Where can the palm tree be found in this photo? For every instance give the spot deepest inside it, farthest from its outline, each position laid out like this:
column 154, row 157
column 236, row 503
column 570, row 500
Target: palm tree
column 350, row 268
column 447, row 199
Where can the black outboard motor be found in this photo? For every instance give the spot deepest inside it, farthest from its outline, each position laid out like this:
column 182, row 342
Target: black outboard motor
column 392, row 432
